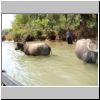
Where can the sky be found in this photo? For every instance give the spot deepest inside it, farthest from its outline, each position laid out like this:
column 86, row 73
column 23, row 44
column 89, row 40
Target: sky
column 7, row 20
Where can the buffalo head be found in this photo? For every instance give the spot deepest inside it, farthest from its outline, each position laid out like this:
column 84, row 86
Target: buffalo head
column 20, row 46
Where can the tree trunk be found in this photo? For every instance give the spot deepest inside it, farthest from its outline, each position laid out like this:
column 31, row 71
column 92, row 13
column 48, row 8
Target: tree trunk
column 83, row 21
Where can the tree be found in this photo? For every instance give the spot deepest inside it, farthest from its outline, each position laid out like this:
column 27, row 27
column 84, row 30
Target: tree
column 38, row 25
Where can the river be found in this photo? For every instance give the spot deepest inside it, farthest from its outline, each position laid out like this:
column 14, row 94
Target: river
column 62, row 68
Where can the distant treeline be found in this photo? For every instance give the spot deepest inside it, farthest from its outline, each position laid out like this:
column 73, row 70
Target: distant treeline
column 49, row 26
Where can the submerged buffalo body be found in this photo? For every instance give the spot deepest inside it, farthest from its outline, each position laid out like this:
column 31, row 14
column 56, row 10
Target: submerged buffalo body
column 86, row 50
column 35, row 49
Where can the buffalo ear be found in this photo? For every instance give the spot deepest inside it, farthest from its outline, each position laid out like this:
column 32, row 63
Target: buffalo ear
column 92, row 46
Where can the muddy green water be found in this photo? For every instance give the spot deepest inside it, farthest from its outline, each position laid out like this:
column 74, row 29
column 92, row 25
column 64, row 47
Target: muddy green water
column 63, row 68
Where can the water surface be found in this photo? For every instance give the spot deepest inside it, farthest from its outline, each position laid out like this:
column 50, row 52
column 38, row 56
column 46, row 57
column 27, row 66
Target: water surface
column 63, row 68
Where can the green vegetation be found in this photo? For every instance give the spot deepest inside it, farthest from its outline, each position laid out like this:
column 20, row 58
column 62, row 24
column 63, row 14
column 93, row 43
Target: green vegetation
column 42, row 26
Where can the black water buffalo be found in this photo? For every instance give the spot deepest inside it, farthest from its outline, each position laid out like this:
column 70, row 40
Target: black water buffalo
column 35, row 49
column 87, row 50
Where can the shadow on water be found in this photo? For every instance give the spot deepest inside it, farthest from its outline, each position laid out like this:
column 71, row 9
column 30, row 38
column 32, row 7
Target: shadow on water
column 62, row 68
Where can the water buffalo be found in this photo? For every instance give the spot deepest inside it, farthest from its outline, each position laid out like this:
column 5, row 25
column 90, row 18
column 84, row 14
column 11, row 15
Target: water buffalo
column 35, row 49
column 86, row 50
